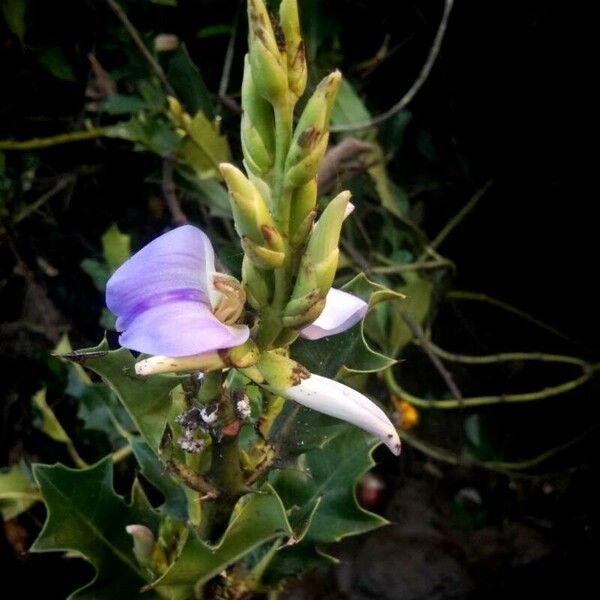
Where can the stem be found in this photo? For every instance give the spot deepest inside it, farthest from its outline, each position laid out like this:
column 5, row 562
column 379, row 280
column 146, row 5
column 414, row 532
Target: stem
column 54, row 140
column 75, row 455
column 396, row 388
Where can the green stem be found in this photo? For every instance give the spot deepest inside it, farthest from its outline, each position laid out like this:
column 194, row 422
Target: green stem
column 75, row 455
column 396, row 388
column 54, row 140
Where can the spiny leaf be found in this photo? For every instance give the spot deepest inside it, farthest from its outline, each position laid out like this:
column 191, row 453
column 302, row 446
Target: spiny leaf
column 86, row 516
column 257, row 518
column 349, row 349
column 147, row 400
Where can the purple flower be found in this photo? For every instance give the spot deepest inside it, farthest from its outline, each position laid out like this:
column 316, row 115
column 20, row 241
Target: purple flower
column 165, row 297
column 342, row 311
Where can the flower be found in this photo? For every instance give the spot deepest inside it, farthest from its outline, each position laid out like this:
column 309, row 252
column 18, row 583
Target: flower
column 335, row 399
column 342, row 311
column 166, row 295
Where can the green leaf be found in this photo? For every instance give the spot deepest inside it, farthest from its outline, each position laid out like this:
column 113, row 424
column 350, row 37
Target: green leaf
column 151, row 134
column 86, row 516
column 123, row 104
column 256, row 519
column 186, row 79
column 330, row 473
column 348, row 350
column 116, row 247
column 56, row 62
column 203, row 148
column 213, row 30
column 17, row 492
column 14, row 15
column 147, row 400
column 97, row 271
column 418, row 292
column 208, row 192
column 50, row 424
column 175, row 504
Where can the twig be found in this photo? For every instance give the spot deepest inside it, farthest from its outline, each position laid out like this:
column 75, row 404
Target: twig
column 425, row 265
column 505, row 357
column 139, row 42
column 477, row 297
column 54, row 140
column 170, row 193
column 460, row 215
column 417, row 84
column 549, row 392
column 225, row 75
column 435, row 361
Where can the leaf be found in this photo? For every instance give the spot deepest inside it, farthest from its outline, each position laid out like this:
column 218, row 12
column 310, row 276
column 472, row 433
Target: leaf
column 418, row 292
column 17, row 492
column 56, row 62
column 147, row 400
column 116, row 247
column 86, row 516
column 14, row 15
column 186, row 79
column 97, row 271
column 175, row 504
column 348, row 350
column 213, row 30
column 330, row 473
column 203, row 148
column 50, row 424
column 123, row 104
column 349, row 109
column 150, row 133
column 256, row 519
column 208, row 192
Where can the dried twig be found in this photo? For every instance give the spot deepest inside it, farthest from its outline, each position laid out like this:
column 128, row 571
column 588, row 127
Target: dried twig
column 417, row 84
column 139, row 42
column 170, row 192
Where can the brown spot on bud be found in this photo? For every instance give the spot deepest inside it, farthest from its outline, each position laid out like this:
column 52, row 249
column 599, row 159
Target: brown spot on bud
column 278, row 31
column 300, row 56
column 299, row 373
column 309, row 137
column 267, row 232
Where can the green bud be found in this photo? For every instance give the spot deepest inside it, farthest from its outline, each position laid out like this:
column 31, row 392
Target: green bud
column 258, row 284
column 311, row 134
column 304, row 310
column 302, row 231
column 303, row 202
column 276, row 372
column 296, row 58
column 262, row 257
column 258, row 125
column 250, row 212
column 268, row 70
column 319, row 263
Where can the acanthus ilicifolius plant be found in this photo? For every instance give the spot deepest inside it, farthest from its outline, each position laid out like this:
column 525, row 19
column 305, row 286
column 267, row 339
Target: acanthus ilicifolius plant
column 216, row 367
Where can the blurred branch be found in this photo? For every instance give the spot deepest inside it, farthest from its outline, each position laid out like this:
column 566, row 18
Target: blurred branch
column 505, row 467
column 478, row 297
column 225, row 75
column 460, row 215
column 435, row 361
column 170, row 193
column 415, row 87
column 548, row 392
column 139, row 42
column 55, row 140
column 425, row 265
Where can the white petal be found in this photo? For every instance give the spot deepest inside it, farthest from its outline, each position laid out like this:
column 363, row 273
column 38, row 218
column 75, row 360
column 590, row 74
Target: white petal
column 342, row 311
column 338, row 400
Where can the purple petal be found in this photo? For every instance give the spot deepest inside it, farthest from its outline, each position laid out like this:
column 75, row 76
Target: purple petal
column 175, row 267
column 180, row 328
column 342, row 311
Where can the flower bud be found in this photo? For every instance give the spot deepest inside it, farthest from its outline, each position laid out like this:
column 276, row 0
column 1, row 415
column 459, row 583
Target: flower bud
column 250, row 212
column 268, row 71
column 296, row 58
column 143, row 543
column 303, row 202
column 262, row 257
column 257, row 127
column 311, row 134
column 258, row 284
column 319, row 263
